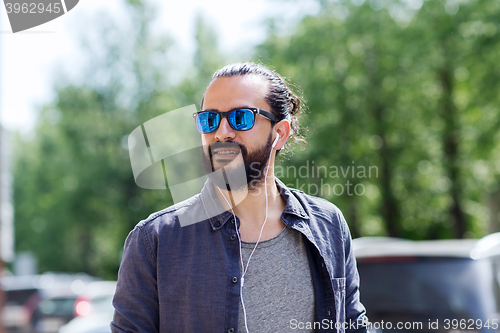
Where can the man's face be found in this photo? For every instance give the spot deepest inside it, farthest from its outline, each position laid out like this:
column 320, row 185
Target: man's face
column 224, row 145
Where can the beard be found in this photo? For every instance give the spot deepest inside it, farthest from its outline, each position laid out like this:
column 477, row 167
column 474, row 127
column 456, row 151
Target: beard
column 253, row 165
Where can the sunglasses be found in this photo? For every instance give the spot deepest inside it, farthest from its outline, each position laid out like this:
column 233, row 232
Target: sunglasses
column 240, row 119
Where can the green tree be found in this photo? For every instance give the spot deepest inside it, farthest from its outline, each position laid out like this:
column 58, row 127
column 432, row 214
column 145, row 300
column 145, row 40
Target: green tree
column 75, row 196
column 457, row 53
column 395, row 87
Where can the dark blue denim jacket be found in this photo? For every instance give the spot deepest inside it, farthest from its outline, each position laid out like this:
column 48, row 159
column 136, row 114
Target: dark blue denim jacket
column 186, row 279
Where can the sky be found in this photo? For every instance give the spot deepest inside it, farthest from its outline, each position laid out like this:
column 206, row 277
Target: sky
column 31, row 60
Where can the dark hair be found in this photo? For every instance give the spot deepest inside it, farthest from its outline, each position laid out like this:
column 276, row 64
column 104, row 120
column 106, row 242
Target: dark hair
column 283, row 101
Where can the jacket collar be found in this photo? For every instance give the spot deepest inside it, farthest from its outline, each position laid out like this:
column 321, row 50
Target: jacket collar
column 293, row 205
column 217, row 216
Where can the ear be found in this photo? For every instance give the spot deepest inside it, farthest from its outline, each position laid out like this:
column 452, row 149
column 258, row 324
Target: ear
column 282, row 128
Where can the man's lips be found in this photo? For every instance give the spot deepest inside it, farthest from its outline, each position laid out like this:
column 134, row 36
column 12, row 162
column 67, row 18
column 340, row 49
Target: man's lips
column 224, row 150
column 224, row 156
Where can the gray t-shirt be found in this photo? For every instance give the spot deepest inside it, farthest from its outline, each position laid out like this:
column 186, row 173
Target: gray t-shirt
column 277, row 287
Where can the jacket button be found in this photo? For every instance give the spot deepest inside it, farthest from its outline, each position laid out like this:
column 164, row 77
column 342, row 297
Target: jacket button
column 217, row 224
column 231, row 330
column 232, row 220
column 234, row 279
column 233, row 237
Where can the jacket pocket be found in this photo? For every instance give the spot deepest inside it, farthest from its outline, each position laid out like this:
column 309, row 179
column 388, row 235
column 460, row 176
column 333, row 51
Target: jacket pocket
column 338, row 285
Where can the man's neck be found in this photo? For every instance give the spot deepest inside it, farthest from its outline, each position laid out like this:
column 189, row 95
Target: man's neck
column 251, row 211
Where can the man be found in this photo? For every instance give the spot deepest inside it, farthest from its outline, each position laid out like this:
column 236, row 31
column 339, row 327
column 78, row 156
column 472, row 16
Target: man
column 275, row 260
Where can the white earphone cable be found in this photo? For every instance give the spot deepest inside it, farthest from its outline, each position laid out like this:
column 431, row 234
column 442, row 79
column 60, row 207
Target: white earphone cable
column 243, row 267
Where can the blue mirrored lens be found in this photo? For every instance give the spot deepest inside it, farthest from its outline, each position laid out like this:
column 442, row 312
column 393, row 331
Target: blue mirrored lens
column 241, row 119
column 207, row 122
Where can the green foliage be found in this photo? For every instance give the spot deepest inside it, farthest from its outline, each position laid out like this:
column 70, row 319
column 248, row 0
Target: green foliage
column 396, row 88
column 402, row 125
column 75, row 196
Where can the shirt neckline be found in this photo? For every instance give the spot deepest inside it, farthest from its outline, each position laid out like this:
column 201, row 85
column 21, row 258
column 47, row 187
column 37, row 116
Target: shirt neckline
column 267, row 242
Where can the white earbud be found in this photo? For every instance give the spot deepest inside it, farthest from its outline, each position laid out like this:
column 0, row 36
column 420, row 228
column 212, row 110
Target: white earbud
column 276, row 141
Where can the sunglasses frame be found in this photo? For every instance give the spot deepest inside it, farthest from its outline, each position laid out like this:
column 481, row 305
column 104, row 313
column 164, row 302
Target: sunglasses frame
column 272, row 117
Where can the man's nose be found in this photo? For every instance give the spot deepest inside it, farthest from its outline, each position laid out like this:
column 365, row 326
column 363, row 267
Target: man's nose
column 225, row 132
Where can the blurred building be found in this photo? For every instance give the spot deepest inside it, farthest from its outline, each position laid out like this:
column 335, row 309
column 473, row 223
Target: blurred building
column 1, row 224
column 6, row 207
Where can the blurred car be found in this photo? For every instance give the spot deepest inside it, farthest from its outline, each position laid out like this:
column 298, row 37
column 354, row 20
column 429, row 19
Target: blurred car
column 55, row 310
column 430, row 286
column 21, row 300
column 94, row 309
column 40, row 303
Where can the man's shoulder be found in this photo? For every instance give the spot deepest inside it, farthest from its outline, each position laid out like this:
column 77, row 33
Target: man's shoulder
column 169, row 217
